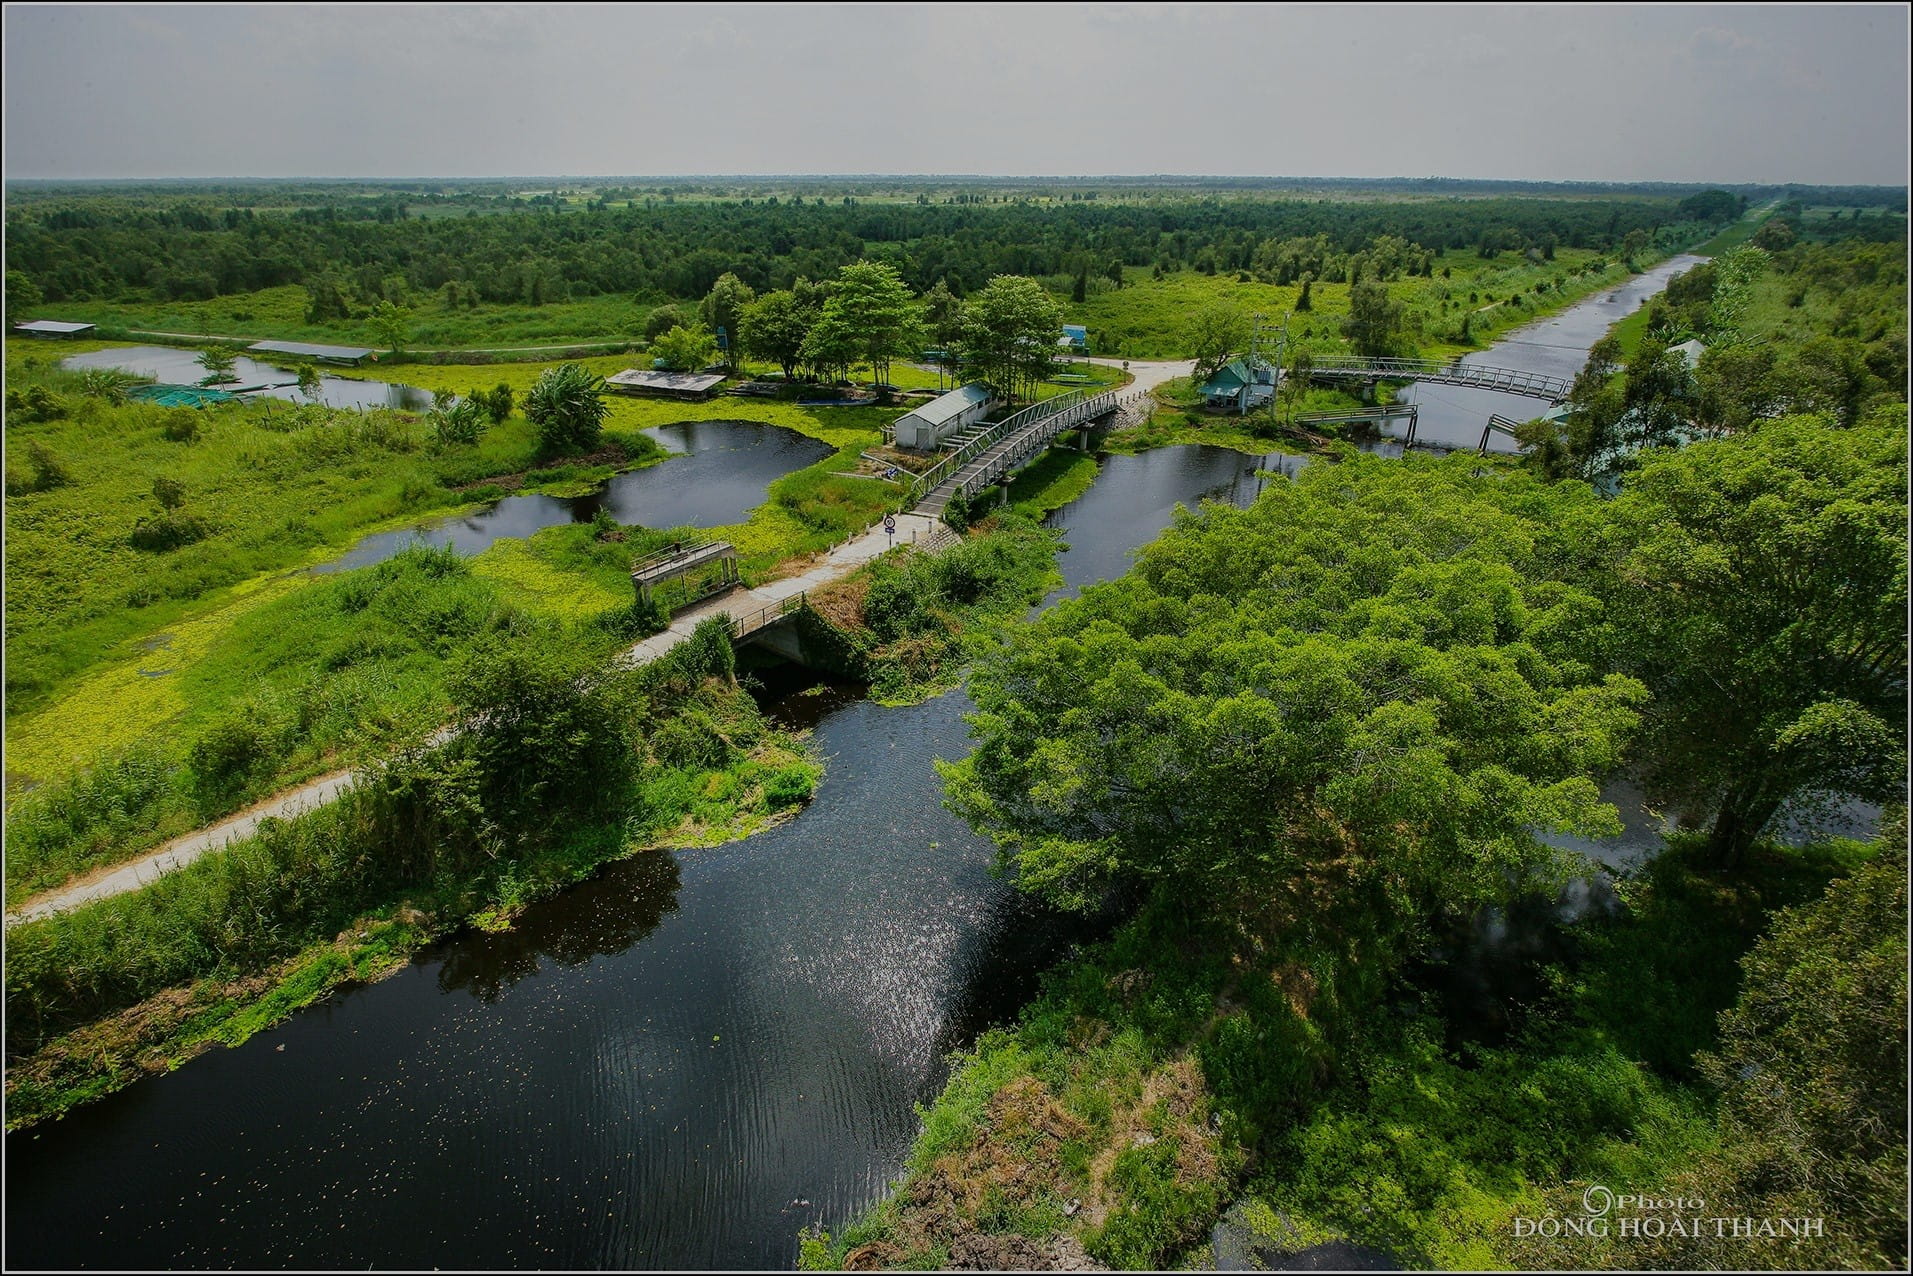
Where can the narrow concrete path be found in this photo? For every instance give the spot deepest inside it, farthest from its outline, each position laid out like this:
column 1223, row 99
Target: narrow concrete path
column 131, row 875
column 742, row 603
column 213, row 336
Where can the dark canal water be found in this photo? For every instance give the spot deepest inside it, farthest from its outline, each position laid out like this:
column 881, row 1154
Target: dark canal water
column 1453, row 416
column 719, row 472
column 677, row 1064
column 650, row 1071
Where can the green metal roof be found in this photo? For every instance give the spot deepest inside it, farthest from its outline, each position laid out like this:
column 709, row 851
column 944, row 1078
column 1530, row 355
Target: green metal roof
column 179, row 396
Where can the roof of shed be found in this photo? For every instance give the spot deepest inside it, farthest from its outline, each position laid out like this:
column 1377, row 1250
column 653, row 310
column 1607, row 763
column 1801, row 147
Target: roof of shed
column 947, row 407
column 53, row 326
column 309, row 350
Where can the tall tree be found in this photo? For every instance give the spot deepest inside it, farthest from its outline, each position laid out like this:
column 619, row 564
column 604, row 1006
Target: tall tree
column 392, row 323
column 1215, row 334
column 774, row 327
column 1758, row 583
column 1375, row 322
column 872, row 310
column 723, row 307
column 1010, row 328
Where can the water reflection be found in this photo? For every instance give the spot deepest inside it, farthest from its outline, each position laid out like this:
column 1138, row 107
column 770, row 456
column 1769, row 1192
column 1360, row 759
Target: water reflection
column 718, row 472
column 173, row 366
column 627, row 902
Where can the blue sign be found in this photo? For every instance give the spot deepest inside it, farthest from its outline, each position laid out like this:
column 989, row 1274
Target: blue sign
column 723, row 341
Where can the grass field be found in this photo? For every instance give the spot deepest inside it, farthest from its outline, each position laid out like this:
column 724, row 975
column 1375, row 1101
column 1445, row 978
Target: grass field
column 123, row 661
column 1147, row 318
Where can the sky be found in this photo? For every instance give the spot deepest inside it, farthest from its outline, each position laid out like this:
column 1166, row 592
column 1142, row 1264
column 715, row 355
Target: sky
column 1760, row 94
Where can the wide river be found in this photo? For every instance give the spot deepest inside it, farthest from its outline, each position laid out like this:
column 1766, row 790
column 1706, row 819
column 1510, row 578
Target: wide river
column 677, row 1064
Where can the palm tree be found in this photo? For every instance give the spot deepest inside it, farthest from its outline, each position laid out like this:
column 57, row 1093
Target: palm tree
column 567, row 406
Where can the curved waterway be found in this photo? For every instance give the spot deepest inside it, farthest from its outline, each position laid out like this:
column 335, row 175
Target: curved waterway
column 718, row 472
column 677, row 1064
column 1556, row 345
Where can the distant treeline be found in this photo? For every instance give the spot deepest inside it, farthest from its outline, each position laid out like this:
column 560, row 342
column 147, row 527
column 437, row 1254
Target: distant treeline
column 114, row 246
column 956, row 188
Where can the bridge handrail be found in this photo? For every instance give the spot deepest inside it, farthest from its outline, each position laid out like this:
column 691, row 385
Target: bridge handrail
column 930, row 479
column 1042, row 432
column 743, row 626
column 1457, row 372
column 1043, row 409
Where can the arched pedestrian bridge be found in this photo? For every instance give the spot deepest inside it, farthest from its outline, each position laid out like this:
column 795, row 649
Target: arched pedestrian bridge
column 1002, row 447
column 1535, row 385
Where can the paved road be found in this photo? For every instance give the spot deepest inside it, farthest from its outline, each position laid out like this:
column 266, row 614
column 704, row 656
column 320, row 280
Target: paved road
column 1152, row 374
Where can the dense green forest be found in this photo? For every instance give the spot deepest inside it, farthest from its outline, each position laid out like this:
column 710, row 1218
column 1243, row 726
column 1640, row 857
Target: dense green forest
column 116, row 247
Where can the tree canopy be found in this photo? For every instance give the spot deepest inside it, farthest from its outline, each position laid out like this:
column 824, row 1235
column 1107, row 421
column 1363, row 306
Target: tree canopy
column 1759, row 586
column 1009, row 333
column 1367, row 690
column 869, row 315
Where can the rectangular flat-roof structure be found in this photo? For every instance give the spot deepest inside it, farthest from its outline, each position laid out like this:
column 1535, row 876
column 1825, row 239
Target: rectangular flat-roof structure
column 306, row 350
column 692, row 385
column 53, row 328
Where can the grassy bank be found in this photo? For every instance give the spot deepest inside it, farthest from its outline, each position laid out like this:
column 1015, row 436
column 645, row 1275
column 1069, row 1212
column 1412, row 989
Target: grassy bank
column 908, row 622
column 1177, row 416
column 151, row 690
column 1147, row 318
column 96, row 564
column 1182, row 1066
column 553, row 776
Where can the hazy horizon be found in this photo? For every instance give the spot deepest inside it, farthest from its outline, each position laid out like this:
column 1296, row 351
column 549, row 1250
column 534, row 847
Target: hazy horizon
column 1703, row 95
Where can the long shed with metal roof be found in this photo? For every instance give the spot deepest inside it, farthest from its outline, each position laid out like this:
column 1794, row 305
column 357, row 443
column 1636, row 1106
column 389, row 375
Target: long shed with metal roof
column 928, row 426
column 307, row 350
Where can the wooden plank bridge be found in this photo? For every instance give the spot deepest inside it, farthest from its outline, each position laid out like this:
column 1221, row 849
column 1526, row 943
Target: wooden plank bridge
column 991, row 453
column 1535, row 385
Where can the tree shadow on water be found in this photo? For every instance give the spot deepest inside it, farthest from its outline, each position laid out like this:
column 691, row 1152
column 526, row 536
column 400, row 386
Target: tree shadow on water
column 606, row 915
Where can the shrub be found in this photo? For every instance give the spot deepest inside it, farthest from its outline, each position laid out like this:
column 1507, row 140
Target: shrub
column 34, row 405
column 893, row 607
column 791, row 786
column 690, row 742
column 180, row 425
column 168, row 530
